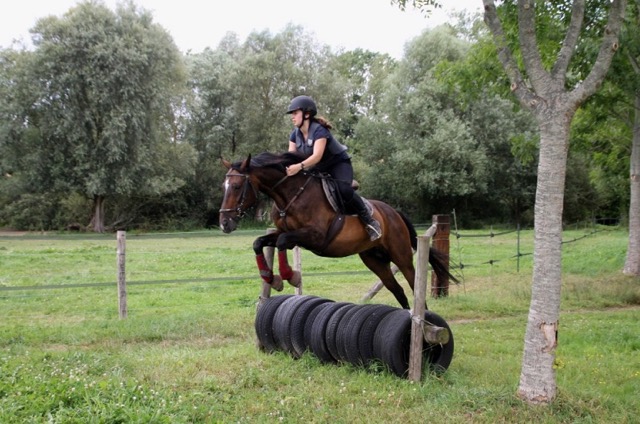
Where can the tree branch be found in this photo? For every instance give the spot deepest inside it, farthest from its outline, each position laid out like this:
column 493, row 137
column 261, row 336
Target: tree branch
column 526, row 97
column 539, row 77
column 559, row 70
column 607, row 49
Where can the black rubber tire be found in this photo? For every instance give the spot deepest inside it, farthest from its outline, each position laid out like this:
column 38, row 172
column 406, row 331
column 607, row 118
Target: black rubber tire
column 344, row 332
column 333, row 327
column 392, row 343
column 437, row 357
column 317, row 341
column 282, row 321
column 264, row 322
column 311, row 319
column 298, row 323
column 359, row 341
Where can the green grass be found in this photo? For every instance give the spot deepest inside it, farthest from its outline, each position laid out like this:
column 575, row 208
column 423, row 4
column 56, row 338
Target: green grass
column 187, row 354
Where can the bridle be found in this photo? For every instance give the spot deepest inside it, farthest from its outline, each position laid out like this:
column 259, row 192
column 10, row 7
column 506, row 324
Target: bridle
column 239, row 209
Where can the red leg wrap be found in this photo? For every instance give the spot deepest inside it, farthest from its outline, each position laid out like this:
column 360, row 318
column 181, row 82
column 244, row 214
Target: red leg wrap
column 285, row 270
column 265, row 271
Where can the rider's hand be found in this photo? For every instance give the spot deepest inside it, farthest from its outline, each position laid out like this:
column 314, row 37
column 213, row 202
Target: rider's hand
column 293, row 169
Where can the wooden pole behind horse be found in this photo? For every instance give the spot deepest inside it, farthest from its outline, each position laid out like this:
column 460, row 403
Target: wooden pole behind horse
column 419, row 304
column 440, row 288
column 269, row 253
column 377, row 286
column 297, row 266
column 121, row 238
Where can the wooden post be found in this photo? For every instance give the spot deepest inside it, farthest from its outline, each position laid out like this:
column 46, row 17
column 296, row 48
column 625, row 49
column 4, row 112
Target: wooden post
column 122, row 283
column 441, row 243
column 419, row 302
column 377, row 286
column 297, row 266
column 269, row 253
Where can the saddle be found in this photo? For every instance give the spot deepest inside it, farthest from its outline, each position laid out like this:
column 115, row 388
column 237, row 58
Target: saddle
column 333, row 196
column 335, row 200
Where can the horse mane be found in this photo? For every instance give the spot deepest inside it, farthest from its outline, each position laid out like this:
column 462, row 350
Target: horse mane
column 274, row 160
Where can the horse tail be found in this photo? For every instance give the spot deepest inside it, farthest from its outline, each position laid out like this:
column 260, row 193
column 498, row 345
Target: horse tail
column 413, row 235
column 438, row 261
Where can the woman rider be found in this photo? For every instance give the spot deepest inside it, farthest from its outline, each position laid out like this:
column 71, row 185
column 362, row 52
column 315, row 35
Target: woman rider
column 312, row 138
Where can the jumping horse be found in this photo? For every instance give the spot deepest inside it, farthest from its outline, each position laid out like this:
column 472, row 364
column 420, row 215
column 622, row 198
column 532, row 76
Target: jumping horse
column 304, row 216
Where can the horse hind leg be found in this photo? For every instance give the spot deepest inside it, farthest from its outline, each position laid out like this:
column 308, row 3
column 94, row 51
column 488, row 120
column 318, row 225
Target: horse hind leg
column 381, row 266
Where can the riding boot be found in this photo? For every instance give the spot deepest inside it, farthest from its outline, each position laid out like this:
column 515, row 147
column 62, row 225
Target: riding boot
column 371, row 225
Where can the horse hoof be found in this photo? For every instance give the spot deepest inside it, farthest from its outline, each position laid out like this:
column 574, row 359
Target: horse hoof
column 296, row 279
column 277, row 284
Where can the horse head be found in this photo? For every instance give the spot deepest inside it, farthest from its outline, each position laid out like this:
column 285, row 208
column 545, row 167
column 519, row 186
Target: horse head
column 240, row 194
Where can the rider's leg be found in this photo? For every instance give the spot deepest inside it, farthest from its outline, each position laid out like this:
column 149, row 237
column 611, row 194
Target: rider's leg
column 344, row 178
column 371, row 225
column 342, row 172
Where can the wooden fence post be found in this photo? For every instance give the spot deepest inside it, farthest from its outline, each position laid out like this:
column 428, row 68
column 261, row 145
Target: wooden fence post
column 269, row 253
column 297, row 266
column 419, row 304
column 122, row 282
column 441, row 243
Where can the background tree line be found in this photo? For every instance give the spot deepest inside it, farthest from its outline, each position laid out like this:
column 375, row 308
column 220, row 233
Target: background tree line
column 106, row 124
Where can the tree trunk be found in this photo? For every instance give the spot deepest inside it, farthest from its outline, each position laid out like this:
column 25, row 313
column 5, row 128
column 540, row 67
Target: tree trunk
column 97, row 221
column 537, row 377
column 632, row 262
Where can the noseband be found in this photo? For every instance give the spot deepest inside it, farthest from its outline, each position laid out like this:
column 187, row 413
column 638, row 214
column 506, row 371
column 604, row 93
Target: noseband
column 239, row 209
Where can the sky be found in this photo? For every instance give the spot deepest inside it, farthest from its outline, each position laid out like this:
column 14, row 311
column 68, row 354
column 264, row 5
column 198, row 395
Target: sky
column 374, row 25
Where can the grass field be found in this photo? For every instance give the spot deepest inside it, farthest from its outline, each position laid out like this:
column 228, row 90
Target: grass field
column 187, row 353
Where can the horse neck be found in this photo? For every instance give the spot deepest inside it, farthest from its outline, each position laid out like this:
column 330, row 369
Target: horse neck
column 282, row 190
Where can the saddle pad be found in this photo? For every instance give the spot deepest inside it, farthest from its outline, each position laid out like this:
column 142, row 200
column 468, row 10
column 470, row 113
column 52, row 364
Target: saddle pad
column 330, row 192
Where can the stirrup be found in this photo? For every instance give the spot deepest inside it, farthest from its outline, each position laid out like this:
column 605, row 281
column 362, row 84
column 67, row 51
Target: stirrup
column 374, row 230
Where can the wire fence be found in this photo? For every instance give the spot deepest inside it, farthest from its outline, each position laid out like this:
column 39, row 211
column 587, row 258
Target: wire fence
column 469, row 249
column 509, row 246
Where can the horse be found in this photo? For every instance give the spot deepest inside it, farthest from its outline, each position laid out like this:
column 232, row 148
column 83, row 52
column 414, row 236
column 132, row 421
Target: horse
column 304, row 217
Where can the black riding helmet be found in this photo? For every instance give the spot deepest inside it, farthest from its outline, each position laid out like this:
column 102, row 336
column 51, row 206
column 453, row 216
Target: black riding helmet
column 303, row 103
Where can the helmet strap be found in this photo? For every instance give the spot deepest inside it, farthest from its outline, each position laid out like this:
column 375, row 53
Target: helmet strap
column 304, row 118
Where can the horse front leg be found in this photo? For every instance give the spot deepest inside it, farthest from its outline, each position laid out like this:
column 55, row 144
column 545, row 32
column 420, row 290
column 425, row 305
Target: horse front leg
column 287, row 241
column 266, row 273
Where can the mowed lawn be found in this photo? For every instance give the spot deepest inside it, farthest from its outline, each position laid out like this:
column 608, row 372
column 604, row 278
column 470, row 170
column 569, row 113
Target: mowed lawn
column 187, row 351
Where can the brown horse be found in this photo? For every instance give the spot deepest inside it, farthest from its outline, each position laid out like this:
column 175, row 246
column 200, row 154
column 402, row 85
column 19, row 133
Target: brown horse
column 304, row 217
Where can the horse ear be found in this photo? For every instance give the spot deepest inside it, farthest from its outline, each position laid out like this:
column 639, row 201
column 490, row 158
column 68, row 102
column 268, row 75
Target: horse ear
column 225, row 162
column 246, row 163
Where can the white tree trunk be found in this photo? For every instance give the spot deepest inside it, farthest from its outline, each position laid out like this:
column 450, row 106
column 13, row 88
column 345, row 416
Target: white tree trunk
column 632, row 262
column 544, row 92
column 537, row 377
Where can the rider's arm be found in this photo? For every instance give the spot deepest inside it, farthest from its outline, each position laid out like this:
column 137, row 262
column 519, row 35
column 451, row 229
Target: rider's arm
column 316, row 156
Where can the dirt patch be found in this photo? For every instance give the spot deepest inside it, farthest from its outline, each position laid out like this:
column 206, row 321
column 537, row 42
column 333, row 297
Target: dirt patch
column 7, row 232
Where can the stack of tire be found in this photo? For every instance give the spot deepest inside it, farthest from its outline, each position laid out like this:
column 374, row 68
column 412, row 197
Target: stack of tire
column 340, row 332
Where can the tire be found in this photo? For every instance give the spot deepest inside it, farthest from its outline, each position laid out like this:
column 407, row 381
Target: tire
column 437, row 357
column 298, row 323
column 317, row 340
column 333, row 328
column 359, row 341
column 281, row 326
column 344, row 332
column 264, row 322
column 392, row 343
column 311, row 319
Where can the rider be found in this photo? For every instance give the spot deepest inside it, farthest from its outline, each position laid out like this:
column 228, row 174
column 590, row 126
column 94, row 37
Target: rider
column 312, row 138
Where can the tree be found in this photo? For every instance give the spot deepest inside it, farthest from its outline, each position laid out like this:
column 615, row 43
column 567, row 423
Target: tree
column 632, row 53
column 419, row 128
column 541, row 86
column 108, row 88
